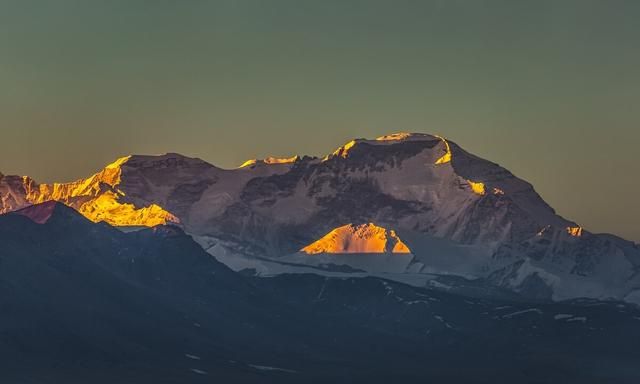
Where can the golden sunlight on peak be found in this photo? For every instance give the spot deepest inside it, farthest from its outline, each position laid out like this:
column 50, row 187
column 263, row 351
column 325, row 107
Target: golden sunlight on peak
column 477, row 188
column 118, row 163
column 574, row 231
column 271, row 160
column 107, row 208
column 446, row 158
column 281, row 160
column 342, row 151
column 364, row 238
column 89, row 197
column 402, row 136
column 394, row 136
column 399, row 247
column 248, row 163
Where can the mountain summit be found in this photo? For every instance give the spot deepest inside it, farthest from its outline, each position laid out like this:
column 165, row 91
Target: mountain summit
column 460, row 215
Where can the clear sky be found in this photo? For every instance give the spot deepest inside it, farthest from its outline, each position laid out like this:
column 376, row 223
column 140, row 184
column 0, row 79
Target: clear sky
column 548, row 89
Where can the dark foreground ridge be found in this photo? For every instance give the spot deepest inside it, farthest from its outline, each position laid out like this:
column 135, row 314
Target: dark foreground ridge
column 84, row 302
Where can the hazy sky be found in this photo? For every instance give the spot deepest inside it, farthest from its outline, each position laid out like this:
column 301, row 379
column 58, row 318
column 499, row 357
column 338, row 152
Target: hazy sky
column 550, row 90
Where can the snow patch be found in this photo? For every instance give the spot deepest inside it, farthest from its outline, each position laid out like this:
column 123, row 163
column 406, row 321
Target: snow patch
column 268, row 368
column 199, row 371
column 519, row 313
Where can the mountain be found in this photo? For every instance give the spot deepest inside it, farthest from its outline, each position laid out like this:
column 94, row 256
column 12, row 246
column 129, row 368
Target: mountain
column 85, row 302
column 363, row 238
column 98, row 197
column 460, row 215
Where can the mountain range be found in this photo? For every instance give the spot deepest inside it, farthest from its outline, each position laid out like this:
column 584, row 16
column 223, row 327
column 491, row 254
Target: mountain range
column 456, row 220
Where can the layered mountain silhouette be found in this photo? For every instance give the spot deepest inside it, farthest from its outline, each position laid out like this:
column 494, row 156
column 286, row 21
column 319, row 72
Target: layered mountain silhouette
column 86, row 302
column 458, row 214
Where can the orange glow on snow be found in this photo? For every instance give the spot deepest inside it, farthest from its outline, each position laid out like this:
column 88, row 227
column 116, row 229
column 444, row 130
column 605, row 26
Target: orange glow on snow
column 446, row 158
column 107, row 208
column 248, row 163
column 364, row 238
column 477, row 188
column 89, row 198
column 394, row 136
column 281, row 160
column 574, row 231
column 271, row 160
column 343, row 151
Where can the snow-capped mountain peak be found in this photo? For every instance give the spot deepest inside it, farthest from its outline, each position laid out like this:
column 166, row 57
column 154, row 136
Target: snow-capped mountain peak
column 345, row 150
column 363, row 238
column 493, row 224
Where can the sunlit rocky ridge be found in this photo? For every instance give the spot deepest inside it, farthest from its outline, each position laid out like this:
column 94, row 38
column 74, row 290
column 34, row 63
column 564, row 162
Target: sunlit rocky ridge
column 98, row 198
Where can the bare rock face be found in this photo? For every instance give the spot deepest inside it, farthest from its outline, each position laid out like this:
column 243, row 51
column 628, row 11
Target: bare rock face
column 457, row 213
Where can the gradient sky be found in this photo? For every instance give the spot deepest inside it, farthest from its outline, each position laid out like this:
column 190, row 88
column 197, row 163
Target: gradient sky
column 548, row 89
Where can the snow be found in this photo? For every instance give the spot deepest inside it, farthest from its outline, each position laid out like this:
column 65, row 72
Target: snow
column 412, row 302
column 396, row 263
column 199, row 371
column 270, row 161
column 525, row 311
column 387, row 288
column 439, row 285
column 268, row 368
column 442, row 320
column 363, row 238
column 405, row 136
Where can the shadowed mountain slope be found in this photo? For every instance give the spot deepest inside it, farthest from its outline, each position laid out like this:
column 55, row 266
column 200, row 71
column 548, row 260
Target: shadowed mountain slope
column 85, row 302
